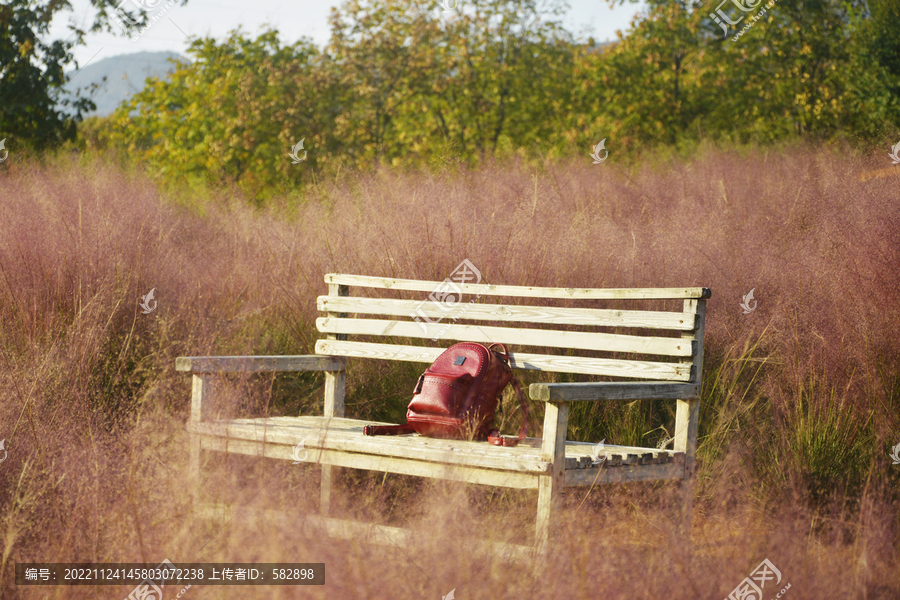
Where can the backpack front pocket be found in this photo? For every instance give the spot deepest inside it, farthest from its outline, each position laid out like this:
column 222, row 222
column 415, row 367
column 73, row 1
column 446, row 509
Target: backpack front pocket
column 440, row 394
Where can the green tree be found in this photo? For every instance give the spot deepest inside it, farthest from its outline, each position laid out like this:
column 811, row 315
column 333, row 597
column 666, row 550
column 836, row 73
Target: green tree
column 786, row 75
column 508, row 68
column 394, row 86
column 644, row 88
column 400, row 85
column 418, row 83
column 787, row 68
column 33, row 111
column 232, row 115
column 875, row 107
column 379, row 53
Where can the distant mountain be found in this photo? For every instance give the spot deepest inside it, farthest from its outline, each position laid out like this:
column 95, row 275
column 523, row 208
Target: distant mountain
column 125, row 75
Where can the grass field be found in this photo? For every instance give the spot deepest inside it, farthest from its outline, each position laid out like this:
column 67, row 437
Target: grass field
column 801, row 397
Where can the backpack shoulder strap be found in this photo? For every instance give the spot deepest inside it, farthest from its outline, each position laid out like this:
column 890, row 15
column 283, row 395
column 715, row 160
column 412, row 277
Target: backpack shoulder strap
column 388, row 429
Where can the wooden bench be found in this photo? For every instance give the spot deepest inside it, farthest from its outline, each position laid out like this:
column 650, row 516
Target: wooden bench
column 666, row 355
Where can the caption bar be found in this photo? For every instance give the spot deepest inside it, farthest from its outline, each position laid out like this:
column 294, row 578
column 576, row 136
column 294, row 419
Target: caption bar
column 184, row 573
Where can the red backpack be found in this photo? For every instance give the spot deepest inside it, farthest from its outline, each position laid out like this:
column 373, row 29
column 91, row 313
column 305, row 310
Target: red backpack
column 457, row 397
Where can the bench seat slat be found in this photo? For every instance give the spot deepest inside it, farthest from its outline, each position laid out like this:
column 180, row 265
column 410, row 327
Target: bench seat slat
column 371, row 462
column 634, row 369
column 550, row 315
column 414, row 285
column 486, row 334
column 346, row 435
column 343, row 442
column 629, row 390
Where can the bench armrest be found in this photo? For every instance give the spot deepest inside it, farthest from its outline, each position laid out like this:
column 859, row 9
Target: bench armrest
column 251, row 364
column 205, row 369
column 631, row 390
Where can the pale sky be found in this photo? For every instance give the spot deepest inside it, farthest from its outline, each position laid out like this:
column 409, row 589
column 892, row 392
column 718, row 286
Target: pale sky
column 293, row 18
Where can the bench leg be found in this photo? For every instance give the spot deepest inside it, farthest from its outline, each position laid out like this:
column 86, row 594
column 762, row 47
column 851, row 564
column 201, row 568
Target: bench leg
column 335, row 382
column 201, row 396
column 553, row 448
column 546, row 501
column 687, row 417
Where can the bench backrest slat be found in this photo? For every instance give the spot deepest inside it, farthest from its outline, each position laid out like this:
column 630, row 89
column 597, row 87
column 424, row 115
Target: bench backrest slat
column 578, row 340
column 549, row 315
column 636, row 369
column 413, row 285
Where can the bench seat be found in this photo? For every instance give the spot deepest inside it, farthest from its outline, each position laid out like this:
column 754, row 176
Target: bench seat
column 340, row 442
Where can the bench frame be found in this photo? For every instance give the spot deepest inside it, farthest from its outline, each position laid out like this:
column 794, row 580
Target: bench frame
column 635, row 464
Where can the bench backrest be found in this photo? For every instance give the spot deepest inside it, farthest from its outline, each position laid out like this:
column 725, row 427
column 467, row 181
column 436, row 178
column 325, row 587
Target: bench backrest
column 668, row 346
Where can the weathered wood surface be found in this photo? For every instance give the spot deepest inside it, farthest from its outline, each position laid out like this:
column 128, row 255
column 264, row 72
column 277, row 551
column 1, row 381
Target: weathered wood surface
column 687, row 415
column 252, row 364
column 548, row 465
column 486, row 334
column 549, row 315
column 580, row 455
column 521, row 291
column 625, row 474
column 553, row 450
column 687, row 419
column 630, row 390
column 635, row 369
column 335, row 385
column 372, row 462
column 277, row 436
column 346, row 435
